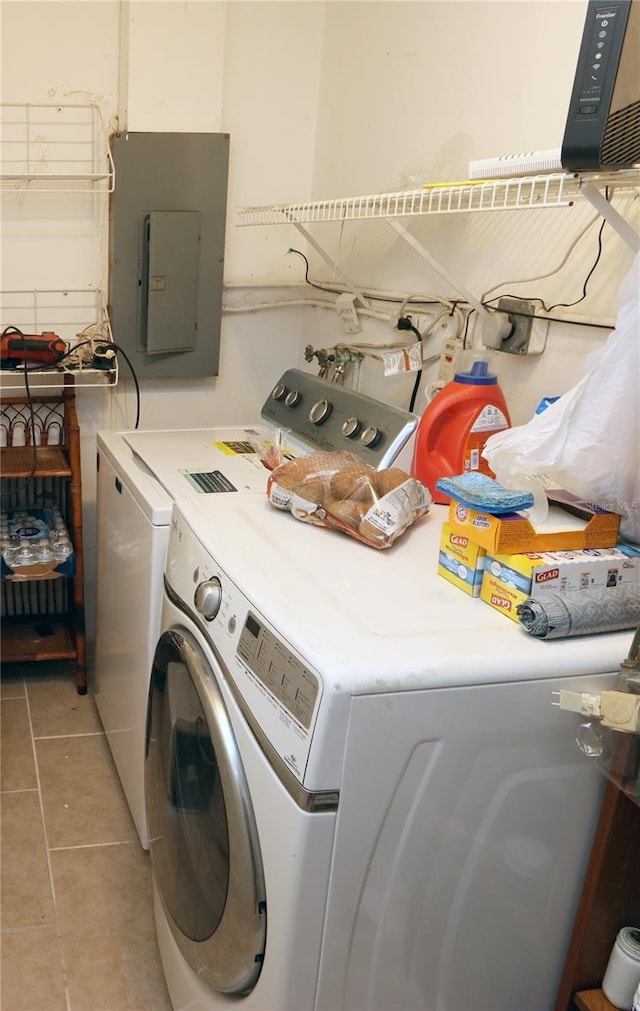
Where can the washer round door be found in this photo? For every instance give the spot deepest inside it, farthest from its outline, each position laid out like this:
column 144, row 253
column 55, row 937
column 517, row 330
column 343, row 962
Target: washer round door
column 202, row 832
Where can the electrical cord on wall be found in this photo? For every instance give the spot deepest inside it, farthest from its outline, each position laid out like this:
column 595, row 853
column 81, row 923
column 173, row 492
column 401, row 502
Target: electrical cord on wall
column 557, row 305
column 99, row 346
column 404, row 323
column 541, row 277
column 466, row 328
column 395, row 299
column 568, row 305
column 457, row 305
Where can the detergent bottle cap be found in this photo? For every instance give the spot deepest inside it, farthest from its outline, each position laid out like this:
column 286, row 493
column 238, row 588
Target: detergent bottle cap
column 476, row 372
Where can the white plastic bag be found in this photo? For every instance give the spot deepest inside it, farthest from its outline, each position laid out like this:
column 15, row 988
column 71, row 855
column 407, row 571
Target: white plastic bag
column 588, row 441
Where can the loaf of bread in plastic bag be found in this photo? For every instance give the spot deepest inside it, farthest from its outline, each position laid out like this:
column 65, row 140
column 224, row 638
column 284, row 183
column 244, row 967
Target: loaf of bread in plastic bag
column 338, row 490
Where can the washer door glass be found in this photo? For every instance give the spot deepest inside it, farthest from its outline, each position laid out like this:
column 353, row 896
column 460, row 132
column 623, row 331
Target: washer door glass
column 202, row 832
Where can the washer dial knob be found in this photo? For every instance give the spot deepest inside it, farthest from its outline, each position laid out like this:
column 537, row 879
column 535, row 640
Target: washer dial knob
column 320, row 412
column 292, row 398
column 351, row 427
column 278, row 391
column 370, row 436
column 208, row 598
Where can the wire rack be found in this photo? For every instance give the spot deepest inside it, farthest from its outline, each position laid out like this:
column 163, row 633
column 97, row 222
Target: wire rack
column 524, row 193
column 54, row 147
column 74, row 315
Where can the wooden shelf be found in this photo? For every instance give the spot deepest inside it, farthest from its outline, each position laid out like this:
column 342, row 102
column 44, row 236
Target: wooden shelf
column 593, row 1000
column 47, row 637
column 51, row 461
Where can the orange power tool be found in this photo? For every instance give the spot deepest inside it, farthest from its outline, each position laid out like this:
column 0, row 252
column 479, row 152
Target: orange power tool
column 45, row 348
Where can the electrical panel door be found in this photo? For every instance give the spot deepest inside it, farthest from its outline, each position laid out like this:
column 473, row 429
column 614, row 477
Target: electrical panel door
column 167, row 233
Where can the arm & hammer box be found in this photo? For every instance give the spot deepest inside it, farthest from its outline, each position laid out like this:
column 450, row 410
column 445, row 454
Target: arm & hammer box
column 571, row 524
column 509, row 580
column 461, row 561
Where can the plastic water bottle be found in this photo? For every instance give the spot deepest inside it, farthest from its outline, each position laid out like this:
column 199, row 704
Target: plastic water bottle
column 62, row 549
column 24, row 554
column 6, row 548
column 44, row 551
column 457, row 423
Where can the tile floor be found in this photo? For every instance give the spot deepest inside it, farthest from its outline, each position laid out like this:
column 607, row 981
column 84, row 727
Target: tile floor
column 77, row 930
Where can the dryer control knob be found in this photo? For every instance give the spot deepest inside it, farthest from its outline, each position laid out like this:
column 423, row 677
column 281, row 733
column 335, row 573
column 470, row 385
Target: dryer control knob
column 279, row 391
column 320, row 412
column 208, row 598
column 293, row 398
column 351, row 427
column 370, row 436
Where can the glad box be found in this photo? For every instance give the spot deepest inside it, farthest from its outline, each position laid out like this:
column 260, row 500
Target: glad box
column 461, row 561
column 509, row 580
column 501, row 595
column 571, row 524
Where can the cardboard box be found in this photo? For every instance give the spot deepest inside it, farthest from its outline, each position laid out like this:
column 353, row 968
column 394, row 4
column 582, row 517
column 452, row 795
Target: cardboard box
column 571, row 524
column 461, row 561
column 564, row 571
column 509, row 580
column 501, row 596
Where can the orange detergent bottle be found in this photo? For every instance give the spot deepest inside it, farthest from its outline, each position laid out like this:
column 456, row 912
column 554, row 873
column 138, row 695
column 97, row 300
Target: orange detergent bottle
column 457, row 423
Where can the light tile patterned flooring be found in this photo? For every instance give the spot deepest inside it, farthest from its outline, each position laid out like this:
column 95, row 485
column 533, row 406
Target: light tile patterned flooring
column 77, row 930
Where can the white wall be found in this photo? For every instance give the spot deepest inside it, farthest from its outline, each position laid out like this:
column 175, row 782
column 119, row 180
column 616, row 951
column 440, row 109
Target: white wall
column 410, row 92
column 415, row 89
column 320, row 99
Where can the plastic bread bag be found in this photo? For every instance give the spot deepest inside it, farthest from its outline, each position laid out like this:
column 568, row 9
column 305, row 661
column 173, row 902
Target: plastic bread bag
column 337, row 490
column 588, row 441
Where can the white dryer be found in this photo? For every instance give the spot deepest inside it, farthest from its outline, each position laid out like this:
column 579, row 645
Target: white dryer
column 141, row 474
column 360, row 796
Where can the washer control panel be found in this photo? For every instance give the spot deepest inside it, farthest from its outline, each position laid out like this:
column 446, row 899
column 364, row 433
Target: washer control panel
column 279, row 693
column 328, row 416
column 279, row 670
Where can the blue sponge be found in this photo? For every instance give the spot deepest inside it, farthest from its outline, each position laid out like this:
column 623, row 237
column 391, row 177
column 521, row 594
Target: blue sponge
column 479, row 491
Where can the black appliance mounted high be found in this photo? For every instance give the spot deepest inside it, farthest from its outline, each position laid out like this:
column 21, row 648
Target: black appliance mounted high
column 603, row 124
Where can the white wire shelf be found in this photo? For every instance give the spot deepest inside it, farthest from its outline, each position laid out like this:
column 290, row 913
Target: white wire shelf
column 75, row 315
column 54, row 148
column 522, row 193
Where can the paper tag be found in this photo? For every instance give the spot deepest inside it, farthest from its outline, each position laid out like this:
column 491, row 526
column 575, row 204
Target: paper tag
column 399, row 360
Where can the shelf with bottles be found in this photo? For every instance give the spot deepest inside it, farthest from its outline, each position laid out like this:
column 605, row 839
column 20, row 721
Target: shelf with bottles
column 79, row 318
column 41, row 529
column 54, row 148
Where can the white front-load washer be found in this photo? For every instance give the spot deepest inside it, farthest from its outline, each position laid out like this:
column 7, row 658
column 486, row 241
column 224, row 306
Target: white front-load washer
column 360, row 795
column 141, row 474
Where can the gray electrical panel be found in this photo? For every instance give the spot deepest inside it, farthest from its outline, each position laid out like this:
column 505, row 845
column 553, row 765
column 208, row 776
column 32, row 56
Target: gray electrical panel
column 167, row 232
